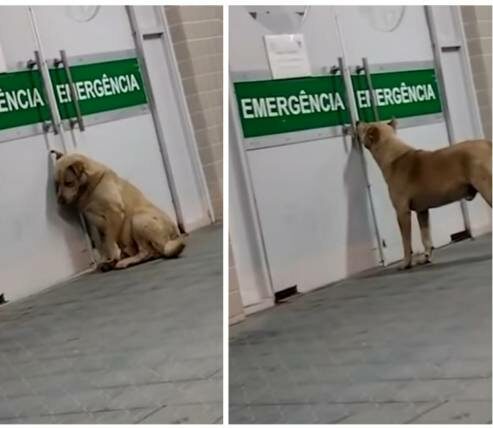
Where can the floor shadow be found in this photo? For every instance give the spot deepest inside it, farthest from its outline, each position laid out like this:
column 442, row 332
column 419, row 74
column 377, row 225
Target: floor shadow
column 64, row 217
column 359, row 229
column 393, row 270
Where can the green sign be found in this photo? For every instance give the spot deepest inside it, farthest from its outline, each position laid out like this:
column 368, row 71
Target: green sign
column 22, row 101
column 100, row 87
column 398, row 94
column 270, row 107
column 275, row 106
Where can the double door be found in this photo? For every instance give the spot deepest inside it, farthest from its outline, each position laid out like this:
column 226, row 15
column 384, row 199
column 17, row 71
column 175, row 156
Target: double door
column 68, row 83
column 322, row 204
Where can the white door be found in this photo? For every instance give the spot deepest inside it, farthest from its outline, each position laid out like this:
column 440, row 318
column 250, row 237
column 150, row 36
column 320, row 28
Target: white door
column 40, row 244
column 125, row 139
column 385, row 28
column 309, row 187
column 310, row 191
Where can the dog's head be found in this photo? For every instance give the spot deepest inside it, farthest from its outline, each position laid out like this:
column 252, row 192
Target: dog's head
column 371, row 134
column 71, row 177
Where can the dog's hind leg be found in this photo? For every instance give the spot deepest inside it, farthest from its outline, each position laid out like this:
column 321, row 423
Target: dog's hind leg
column 481, row 180
column 169, row 248
column 161, row 236
column 404, row 219
column 143, row 255
column 424, row 226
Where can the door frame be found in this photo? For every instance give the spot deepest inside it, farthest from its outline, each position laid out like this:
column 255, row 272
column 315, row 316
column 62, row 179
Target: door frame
column 248, row 197
column 161, row 31
column 461, row 46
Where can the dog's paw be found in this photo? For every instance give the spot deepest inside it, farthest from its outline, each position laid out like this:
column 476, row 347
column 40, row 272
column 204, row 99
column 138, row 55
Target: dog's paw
column 425, row 260
column 405, row 266
column 121, row 265
column 107, row 266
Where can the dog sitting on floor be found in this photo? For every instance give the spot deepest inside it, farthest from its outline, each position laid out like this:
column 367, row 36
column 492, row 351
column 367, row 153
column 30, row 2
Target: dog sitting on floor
column 420, row 179
column 127, row 227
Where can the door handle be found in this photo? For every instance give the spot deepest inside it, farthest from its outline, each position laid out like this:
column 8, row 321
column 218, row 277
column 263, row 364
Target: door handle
column 73, row 93
column 366, row 69
column 335, row 69
column 351, row 128
column 36, row 62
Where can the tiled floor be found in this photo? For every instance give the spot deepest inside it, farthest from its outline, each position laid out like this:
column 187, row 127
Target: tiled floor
column 387, row 347
column 140, row 345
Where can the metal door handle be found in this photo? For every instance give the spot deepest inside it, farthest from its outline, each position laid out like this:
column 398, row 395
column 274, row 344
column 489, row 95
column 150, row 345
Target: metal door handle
column 366, row 69
column 36, row 62
column 352, row 114
column 73, row 93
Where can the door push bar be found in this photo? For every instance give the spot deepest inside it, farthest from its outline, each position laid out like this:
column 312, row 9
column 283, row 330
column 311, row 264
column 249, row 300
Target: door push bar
column 346, row 129
column 73, row 93
column 366, row 69
column 36, row 62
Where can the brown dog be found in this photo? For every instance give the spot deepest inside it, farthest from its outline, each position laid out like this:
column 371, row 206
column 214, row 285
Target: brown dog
column 127, row 228
column 419, row 179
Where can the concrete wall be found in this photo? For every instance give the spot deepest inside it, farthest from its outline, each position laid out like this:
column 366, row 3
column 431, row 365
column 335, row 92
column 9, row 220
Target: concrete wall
column 477, row 26
column 196, row 32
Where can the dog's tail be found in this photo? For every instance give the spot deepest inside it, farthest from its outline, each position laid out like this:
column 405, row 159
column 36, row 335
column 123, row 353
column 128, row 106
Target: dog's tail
column 174, row 247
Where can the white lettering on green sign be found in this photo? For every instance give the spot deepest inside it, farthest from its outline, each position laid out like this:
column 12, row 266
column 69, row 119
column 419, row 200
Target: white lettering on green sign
column 269, row 107
column 21, row 99
column 402, row 94
column 303, row 103
column 98, row 88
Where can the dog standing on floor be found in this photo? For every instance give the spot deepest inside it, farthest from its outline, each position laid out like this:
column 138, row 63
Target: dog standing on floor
column 127, row 228
column 419, row 179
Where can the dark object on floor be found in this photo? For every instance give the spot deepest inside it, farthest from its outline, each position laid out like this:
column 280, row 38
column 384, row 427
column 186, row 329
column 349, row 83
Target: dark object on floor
column 284, row 294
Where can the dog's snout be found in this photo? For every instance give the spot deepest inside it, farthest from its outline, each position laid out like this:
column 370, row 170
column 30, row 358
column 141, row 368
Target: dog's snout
column 59, row 196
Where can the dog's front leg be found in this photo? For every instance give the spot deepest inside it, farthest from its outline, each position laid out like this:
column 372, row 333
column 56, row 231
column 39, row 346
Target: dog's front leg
column 107, row 230
column 111, row 248
column 404, row 219
column 95, row 238
column 424, row 226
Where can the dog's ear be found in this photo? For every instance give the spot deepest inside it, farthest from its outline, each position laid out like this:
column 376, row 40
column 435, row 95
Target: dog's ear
column 393, row 123
column 57, row 154
column 373, row 134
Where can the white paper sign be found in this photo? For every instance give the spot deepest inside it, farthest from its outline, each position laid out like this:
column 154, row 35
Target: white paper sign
column 287, row 55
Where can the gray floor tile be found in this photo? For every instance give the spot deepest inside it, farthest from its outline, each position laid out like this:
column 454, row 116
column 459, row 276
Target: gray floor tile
column 209, row 413
column 111, row 348
column 382, row 347
column 458, row 412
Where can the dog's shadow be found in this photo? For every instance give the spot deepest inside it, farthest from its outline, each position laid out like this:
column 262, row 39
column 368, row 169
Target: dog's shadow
column 435, row 266
column 65, row 218
column 55, row 212
column 359, row 228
